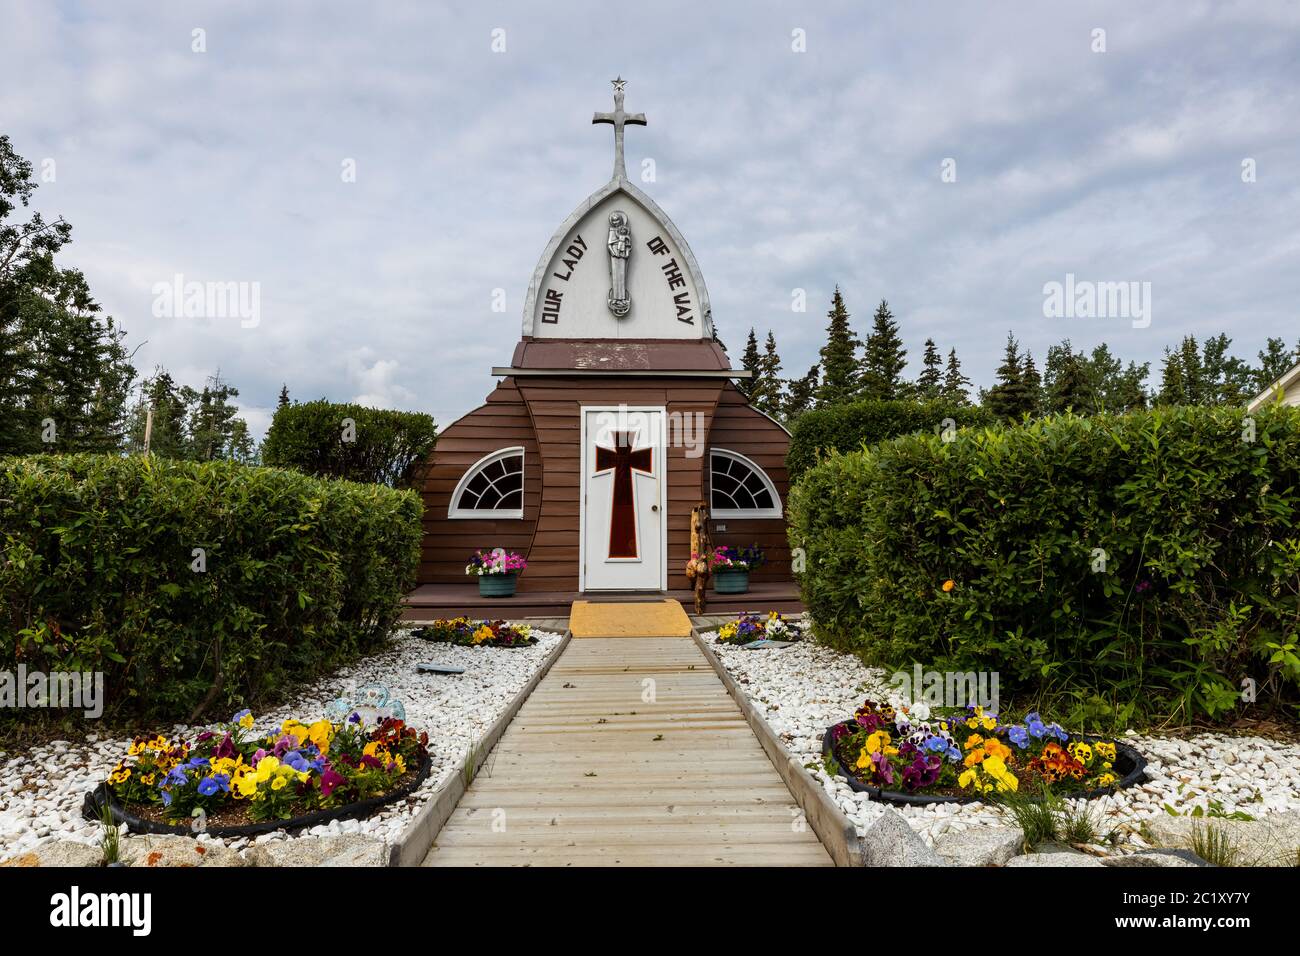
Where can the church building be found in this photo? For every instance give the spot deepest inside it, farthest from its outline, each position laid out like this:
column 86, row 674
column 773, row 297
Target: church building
column 617, row 414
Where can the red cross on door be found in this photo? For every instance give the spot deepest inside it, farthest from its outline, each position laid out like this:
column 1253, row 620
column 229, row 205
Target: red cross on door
column 622, row 513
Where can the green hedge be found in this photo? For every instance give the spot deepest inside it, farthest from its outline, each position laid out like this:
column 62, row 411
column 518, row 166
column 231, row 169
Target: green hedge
column 849, row 427
column 301, row 574
column 1197, row 588
column 380, row 445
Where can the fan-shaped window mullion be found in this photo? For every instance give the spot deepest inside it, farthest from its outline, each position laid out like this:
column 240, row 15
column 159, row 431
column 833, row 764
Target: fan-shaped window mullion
column 739, row 488
column 493, row 487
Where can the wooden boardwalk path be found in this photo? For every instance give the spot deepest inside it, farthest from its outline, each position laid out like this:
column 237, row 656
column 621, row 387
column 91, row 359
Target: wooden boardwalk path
column 629, row 752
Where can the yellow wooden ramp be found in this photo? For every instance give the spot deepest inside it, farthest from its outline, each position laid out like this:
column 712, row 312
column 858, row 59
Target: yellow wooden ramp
column 628, row 753
column 640, row 619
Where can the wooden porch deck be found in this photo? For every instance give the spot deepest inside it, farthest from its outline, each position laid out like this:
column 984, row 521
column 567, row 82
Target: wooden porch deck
column 432, row 601
column 595, row 770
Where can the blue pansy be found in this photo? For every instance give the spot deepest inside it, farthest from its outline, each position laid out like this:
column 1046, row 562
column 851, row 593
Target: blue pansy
column 207, row 787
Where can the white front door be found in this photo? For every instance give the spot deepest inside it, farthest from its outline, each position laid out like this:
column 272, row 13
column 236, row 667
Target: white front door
column 624, row 499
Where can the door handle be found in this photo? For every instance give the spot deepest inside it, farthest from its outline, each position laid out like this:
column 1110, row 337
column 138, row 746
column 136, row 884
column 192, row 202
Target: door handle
column 654, row 507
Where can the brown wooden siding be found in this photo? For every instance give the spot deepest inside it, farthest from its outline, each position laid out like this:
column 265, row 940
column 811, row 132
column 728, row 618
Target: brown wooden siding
column 738, row 427
column 501, row 423
column 544, row 416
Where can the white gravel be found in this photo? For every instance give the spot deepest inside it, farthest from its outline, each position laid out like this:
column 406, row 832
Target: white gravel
column 41, row 791
column 803, row 689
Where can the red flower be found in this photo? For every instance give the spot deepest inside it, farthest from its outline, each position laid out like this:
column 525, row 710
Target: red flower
column 329, row 779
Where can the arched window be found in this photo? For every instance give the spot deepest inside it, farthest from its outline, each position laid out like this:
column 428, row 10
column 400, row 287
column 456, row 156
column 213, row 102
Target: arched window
column 493, row 487
column 739, row 488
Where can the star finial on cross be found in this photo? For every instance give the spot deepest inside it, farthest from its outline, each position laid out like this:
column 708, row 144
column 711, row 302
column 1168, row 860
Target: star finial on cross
column 618, row 119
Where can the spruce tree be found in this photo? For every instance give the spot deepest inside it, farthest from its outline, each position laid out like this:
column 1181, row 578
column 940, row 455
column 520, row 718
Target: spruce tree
column 839, row 361
column 929, row 384
column 62, row 363
column 800, row 396
column 1193, row 372
column 768, row 397
column 1066, row 384
column 1227, row 378
column 1033, row 384
column 954, row 382
column 752, row 363
column 211, row 420
column 284, row 397
column 1275, row 360
column 1130, row 392
column 1173, row 390
column 1008, row 398
column 884, row 358
column 240, row 445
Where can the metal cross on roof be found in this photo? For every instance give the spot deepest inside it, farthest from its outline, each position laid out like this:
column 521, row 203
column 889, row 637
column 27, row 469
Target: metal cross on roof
column 618, row 119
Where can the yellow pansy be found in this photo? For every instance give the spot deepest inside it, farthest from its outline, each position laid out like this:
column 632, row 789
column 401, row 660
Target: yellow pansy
column 996, row 768
column 295, row 729
column 321, row 733
column 244, row 783
column 877, row 742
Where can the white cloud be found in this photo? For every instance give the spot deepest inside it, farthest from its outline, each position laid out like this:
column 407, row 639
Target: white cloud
column 783, row 170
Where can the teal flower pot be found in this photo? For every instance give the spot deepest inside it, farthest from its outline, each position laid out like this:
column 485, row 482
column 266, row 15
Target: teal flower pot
column 731, row 580
column 496, row 585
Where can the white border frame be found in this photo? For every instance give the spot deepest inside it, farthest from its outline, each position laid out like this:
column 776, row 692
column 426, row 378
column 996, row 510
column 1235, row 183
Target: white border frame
column 732, row 513
column 469, row 514
column 661, row 446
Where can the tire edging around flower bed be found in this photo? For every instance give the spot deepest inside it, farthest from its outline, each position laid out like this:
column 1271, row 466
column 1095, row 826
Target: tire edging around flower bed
column 837, row 833
column 413, row 844
column 1134, row 776
column 93, row 805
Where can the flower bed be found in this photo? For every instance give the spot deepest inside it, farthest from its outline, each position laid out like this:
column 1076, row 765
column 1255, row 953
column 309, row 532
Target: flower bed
column 471, row 633
column 748, row 628
column 906, row 754
column 229, row 783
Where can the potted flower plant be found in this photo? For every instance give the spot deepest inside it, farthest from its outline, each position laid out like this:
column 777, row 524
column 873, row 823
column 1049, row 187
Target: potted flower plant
column 496, row 571
column 731, row 567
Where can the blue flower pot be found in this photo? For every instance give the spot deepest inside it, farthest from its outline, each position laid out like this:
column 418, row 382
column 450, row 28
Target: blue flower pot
column 731, row 580
column 497, row 585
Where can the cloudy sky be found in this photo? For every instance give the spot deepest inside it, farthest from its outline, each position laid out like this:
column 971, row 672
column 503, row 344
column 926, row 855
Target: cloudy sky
column 796, row 148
